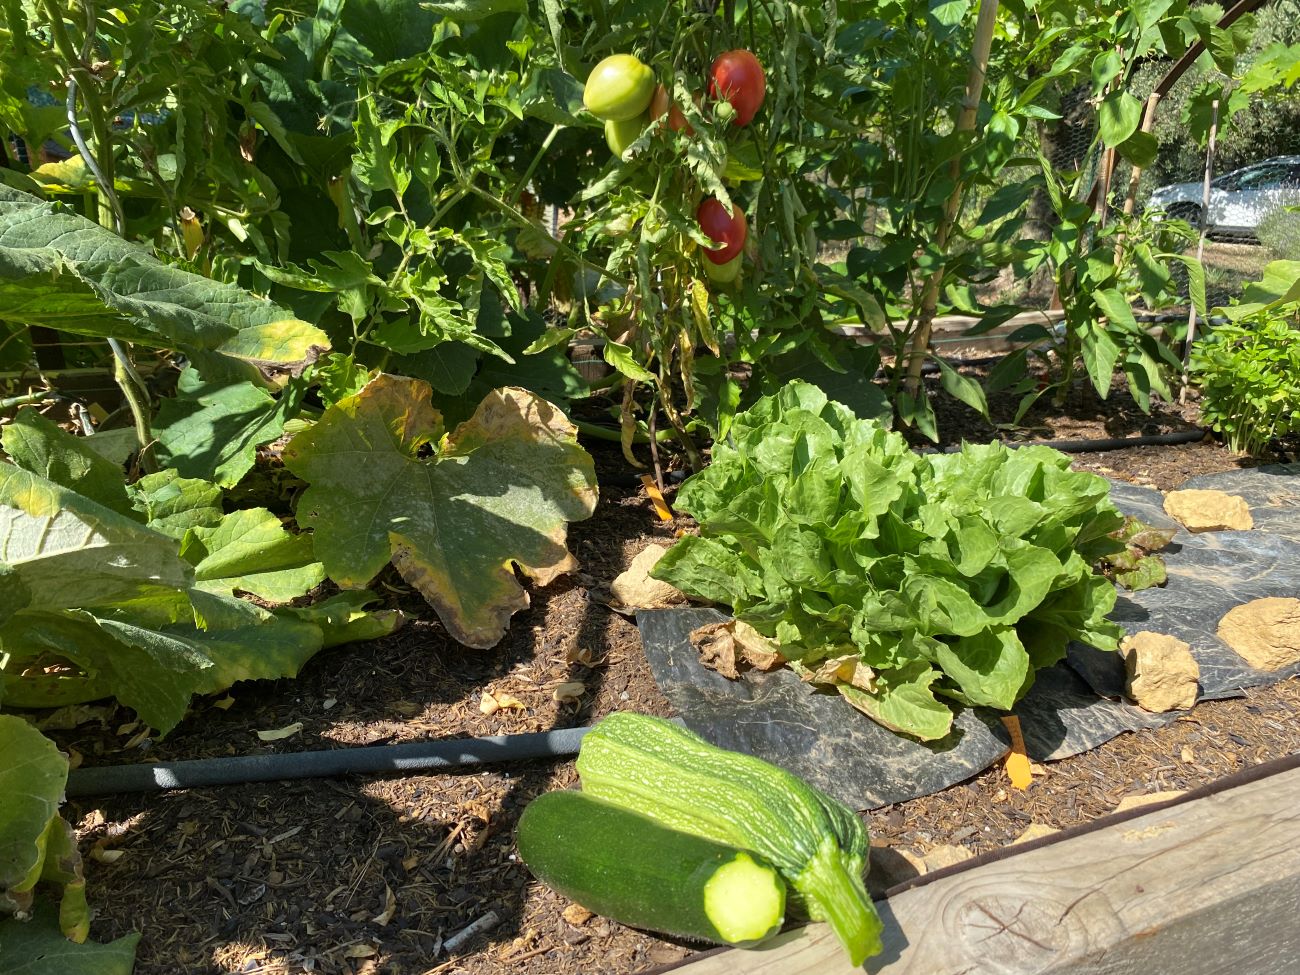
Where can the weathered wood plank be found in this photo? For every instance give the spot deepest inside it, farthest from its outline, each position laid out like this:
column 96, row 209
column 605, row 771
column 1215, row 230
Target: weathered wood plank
column 1209, row 886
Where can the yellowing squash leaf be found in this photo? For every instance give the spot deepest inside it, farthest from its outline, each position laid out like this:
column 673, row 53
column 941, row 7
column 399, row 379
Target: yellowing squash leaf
column 455, row 513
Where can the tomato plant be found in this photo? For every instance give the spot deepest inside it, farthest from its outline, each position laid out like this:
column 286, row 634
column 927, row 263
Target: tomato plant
column 727, row 228
column 661, row 104
column 737, row 77
column 619, row 88
column 620, row 135
column 723, row 273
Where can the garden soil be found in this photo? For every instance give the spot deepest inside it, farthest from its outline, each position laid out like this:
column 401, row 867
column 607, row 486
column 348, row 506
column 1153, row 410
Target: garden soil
column 373, row 875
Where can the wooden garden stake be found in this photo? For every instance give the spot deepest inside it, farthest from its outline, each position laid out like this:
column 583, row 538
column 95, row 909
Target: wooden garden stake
column 970, row 104
column 1148, row 123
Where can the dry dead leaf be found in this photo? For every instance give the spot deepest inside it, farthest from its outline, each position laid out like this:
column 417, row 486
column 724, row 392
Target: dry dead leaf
column 491, row 703
column 848, row 669
column 72, row 716
column 571, row 690
column 225, row 703
column 137, row 739
column 1137, row 802
column 577, row 915
column 102, row 855
column 390, row 908
column 276, row 734
column 734, row 646
column 634, row 589
column 359, row 951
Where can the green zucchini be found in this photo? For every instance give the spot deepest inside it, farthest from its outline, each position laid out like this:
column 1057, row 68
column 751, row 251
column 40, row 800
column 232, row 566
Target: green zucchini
column 625, row 866
column 663, row 771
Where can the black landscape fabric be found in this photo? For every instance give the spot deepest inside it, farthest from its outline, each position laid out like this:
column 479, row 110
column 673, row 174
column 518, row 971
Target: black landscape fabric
column 1072, row 707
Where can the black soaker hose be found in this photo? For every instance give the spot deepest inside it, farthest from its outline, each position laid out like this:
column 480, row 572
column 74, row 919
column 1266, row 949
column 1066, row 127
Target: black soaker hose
column 410, row 757
column 1112, row 443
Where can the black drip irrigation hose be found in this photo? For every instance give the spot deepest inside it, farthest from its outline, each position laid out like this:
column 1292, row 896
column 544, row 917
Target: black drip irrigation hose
column 409, row 757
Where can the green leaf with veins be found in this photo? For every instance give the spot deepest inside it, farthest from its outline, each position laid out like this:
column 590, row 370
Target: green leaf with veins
column 496, row 493
column 250, row 550
column 39, row 947
column 906, row 704
column 172, row 505
column 50, row 535
column 212, row 429
column 63, row 271
column 32, row 776
column 41, row 446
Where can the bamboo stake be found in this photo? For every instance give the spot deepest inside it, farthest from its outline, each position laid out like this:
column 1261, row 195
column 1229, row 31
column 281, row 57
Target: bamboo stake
column 1148, row 123
column 1200, row 243
column 970, row 104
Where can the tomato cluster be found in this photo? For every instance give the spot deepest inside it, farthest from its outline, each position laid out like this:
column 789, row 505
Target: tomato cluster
column 622, row 91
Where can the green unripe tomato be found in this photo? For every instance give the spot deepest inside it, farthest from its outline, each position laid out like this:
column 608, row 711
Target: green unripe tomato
column 723, row 273
column 620, row 135
column 619, row 88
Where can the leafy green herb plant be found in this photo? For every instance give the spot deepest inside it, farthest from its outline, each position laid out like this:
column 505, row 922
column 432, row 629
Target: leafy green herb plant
column 908, row 582
column 1249, row 375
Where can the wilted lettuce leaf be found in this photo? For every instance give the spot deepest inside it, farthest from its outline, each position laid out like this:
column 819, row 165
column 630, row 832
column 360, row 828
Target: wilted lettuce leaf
column 950, row 575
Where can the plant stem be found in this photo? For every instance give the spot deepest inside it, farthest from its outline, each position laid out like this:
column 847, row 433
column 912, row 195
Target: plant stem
column 597, row 432
column 522, row 183
column 25, row 399
column 980, row 49
column 560, row 245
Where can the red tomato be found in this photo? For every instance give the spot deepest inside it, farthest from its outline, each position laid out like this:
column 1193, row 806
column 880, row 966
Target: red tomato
column 661, row 102
column 738, row 78
column 726, row 229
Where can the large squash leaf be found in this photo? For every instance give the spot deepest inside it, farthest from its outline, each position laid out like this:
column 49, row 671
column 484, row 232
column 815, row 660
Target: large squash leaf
column 212, row 430
column 172, row 504
column 251, row 551
column 39, row 445
column 32, row 777
column 38, row 947
column 95, row 604
column 64, row 550
column 61, row 270
column 496, row 493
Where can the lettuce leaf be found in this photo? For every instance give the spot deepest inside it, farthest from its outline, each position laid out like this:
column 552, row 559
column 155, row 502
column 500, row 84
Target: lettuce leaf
column 953, row 577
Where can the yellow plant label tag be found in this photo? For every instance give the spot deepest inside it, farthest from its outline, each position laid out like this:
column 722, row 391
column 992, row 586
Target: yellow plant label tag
column 664, row 512
column 1018, row 770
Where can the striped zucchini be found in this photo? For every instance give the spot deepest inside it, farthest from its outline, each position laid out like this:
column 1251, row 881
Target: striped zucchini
column 673, row 776
column 628, row 867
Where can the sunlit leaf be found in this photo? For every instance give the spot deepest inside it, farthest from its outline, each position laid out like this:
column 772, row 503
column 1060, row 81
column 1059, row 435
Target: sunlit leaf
column 494, row 494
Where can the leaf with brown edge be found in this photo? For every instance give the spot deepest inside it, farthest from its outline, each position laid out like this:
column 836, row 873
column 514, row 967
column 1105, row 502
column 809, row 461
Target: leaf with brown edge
column 455, row 514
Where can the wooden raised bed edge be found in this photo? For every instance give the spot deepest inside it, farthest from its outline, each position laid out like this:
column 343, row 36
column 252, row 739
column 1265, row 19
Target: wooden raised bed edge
column 1205, row 882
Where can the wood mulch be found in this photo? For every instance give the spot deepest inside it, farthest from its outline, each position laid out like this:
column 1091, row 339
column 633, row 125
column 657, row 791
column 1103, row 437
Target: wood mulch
column 376, row 875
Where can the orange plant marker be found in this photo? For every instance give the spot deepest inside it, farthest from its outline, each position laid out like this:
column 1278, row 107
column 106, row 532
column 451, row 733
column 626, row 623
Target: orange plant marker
column 1018, row 770
column 664, row 512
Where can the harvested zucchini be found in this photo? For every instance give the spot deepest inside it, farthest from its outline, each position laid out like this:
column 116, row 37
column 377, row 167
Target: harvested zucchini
column 673, row 776
column 625, row 866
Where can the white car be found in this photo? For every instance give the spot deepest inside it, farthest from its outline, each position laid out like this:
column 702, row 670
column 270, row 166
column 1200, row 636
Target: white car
column 1239, row 200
